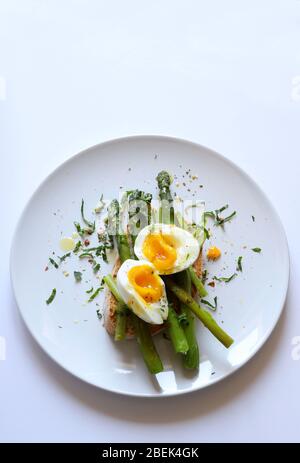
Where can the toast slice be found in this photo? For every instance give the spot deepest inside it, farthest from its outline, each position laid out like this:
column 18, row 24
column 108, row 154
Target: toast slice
column 110, row 304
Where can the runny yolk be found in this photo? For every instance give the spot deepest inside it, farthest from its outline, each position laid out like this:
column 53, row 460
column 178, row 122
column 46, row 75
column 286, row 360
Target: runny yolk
column 146, row 283
column 160, row 250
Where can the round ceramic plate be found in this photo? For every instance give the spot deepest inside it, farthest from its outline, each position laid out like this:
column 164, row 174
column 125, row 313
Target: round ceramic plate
column 69, row 329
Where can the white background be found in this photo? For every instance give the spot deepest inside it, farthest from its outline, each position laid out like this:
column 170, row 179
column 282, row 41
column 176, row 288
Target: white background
column 75, row 73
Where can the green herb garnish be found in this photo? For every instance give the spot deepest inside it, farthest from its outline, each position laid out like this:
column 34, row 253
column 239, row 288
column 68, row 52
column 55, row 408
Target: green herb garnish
column 96, row 267
column 99, row 314
column 210, row 214
column 86, row 254
column 52, row 261
column 78, row 276
column 90, row 290
column 215, row 215
column 100, row 250
column 91, row 225
column 79, row 230
column 51, row 297
column 258, row 250
column 182, row 318
column 95, row 294
column 204, row 276
column 221, row 221
column 206, row 233
column 64, row 257
column 209, row 304
column 77, row 247
column 239, row 264
column 224, row 279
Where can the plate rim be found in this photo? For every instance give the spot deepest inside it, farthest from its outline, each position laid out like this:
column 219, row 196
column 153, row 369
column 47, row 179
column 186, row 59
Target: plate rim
column 173, row 139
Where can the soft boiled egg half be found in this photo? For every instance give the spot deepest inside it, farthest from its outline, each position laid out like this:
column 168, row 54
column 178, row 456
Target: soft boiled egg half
column 143, row 290
column 169, row 248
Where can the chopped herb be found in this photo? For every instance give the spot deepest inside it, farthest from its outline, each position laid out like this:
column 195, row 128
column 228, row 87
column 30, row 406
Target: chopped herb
column 226, row 280
column 99, row 314
column 206, row 233
column 100, row 250
column 96, row 267
column 182, row 318
column 253, row 218
column 77, row 247
column 222, row 209
column 95, row 294
column 78, row 276
column 51, row 297
column 210, row 214
column 52, row 261
column 86, row 254
column 64, row 257
column 91, row 225
column 215, row 215
column 258, row 250
column 90, row 290
column 221, row 221
column 79, row 230
column 213, row 307
column 204, row 276
column 239, row 264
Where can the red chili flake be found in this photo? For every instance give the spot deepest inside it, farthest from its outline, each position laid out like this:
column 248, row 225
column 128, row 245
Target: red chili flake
column 86, row 242
column 46, row 268
column 212, row 284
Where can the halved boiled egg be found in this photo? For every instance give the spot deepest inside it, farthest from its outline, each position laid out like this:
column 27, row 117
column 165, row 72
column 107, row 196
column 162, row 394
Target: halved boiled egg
column 143, row 290
column 169, row 248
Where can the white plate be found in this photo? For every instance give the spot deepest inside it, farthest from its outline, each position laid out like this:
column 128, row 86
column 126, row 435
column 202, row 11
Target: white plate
column 69, row 330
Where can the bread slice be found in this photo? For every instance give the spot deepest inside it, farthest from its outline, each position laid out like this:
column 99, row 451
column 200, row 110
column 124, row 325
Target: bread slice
column 110, row 305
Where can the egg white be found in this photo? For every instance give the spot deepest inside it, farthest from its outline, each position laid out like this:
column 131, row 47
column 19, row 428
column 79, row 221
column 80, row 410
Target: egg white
column 155, row 312
column 187, row 247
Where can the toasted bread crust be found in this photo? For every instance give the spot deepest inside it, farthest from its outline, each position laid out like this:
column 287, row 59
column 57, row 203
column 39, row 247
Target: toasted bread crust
column 110, row 305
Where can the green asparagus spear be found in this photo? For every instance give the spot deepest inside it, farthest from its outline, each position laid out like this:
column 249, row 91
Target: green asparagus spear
column 202, row 314
column 191, row 359
column 121, row 311
column 111, row 283
column 197, row 282
column 139, row 212
column 120, row 330
column 144, row 338
column 114, row 228
column 147, row 347
column 166, row 212
column 166, row 215
column 176, row 333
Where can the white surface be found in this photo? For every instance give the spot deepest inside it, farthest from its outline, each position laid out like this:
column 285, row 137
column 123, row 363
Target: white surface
column 68, row 329
column 226, row 76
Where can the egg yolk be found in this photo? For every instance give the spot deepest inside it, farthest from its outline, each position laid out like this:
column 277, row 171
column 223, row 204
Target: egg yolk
column 213, row 253
column 146, row 283
column 160, row 250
